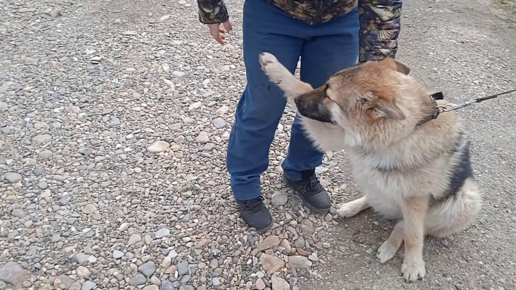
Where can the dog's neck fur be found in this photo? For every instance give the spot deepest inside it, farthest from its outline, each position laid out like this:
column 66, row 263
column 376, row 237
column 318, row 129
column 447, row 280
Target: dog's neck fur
column 375, row 147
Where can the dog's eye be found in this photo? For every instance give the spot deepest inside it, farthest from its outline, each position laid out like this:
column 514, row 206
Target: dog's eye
column 363, row 101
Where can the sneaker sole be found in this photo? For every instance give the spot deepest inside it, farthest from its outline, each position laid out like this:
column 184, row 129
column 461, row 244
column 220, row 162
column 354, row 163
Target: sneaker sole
column 305, row 203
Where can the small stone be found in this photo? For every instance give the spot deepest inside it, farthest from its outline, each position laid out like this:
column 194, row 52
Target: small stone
column 260, row 285
column 19, row 213
column 279, row 283
column 56, row 12
column 183, row 268
column 82, row 259
column 222, row 110
column 271, row 263
column 135, row 238
column 163, row 232
column 219, row 123
column 89, row 209
column 178, row 73
column 45, row 154
column 215, row 282
column 114, row 122
column 117, row 254
column 42, row 184
column 159, row 146
column 88, row 285
column 299, row 262
column 138, row 280
column 151, row 287
column 3, row 106
column 13, row 274
column 147, row 269
column 286, row 245
column 96, row 60
column 82, row 272
column 194, row 106
column 167, row 285
column 202, row 138
column 13, row 177
column 65, row 281
column 39, row 139
column 269, row 242
column 279, row 198
column 155, row 280
column 164, row 17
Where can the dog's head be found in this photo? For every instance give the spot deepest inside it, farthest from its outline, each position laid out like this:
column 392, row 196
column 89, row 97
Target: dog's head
column 365, row 97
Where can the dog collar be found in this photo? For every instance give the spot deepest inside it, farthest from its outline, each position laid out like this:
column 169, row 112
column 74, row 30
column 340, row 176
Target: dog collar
column 437, row 110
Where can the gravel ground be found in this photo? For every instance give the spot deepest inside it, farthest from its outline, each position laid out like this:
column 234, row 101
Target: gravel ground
column 114, row 120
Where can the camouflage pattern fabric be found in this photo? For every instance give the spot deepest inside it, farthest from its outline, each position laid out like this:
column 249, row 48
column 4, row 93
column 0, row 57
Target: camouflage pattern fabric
column 379, row 19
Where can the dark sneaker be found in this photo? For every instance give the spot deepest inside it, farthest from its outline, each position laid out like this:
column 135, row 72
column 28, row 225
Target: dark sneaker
column 311, row 192
column 255, row 213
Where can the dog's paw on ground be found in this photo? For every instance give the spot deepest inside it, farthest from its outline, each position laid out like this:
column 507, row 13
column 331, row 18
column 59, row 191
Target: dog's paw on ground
column 412, row 271
column 386, row 251
column 347, row 210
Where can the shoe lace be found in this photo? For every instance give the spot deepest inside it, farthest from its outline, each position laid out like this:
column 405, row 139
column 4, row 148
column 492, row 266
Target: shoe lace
column 254, row 203
column 312, row 183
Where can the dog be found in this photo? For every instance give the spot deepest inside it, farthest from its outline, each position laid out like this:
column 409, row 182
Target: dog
column 411, row 160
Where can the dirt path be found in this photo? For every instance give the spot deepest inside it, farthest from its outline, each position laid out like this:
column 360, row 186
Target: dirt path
column 465, row 52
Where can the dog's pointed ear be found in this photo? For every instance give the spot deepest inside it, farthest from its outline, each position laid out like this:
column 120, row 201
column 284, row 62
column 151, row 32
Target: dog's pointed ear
column 389, row 110
column 394, row 64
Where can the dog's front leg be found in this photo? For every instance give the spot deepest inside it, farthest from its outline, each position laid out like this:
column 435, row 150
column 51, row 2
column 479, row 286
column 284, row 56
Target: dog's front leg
column 414, row 213
column 281, row 76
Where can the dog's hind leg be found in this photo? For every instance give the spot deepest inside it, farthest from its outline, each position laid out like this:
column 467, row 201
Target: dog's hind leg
column 352, row 208
column 389, row 248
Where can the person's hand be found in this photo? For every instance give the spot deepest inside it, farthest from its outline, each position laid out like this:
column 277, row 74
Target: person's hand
column 218, row 31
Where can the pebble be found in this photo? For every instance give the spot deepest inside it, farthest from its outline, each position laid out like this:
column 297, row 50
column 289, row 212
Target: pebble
column 219, row 123
column 3, row 106
column 138, row 280
column 159, row 146
column 114, row 122
column 161, row 233
column 279, row 199
column 40, row 139
column 202, row 138
column 13, row 177
column 147, row 269
column 299, row 262
column 178, row 74
column 82, row 272
column 268, row 242
column 260, row 285
column 135, row 238
column 151, row 287
column 88, row 285
column 56, row 12
column 279, row 283
column 117, row 254
column 271, row 263
column 89, row 209
column 183, row 268
column 45, row 154
column 167, row 285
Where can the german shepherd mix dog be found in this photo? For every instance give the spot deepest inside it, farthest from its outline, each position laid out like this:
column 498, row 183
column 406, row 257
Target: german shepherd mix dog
column 412, row 167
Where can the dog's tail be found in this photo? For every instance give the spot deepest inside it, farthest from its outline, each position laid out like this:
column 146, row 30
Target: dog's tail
column 456, row 213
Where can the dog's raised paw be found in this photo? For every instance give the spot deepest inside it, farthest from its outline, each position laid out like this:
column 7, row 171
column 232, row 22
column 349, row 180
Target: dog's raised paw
column 413, row 271
column 274, row 70
column 386, row 251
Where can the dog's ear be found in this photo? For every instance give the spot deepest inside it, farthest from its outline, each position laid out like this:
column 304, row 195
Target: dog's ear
column 389, row 111
column 395, row 65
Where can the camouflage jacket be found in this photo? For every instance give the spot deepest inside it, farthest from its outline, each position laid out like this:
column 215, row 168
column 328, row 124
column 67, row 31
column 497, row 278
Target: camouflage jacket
column 379, row 19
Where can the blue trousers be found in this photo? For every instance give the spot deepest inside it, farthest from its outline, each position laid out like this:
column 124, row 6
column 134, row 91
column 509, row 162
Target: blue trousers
column 324, row 50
